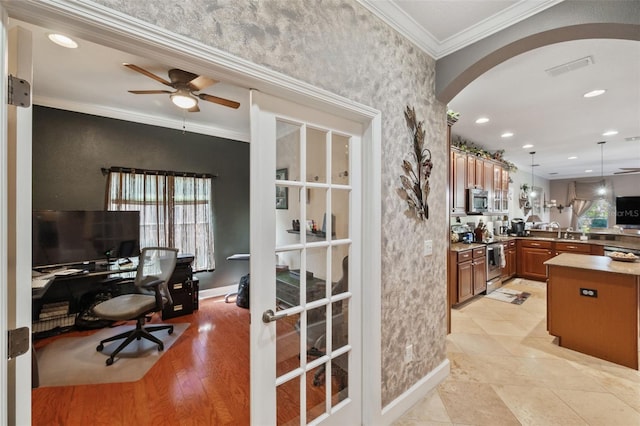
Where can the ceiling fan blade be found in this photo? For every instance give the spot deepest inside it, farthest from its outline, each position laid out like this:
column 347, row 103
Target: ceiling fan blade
column 217, row 100
column 149, row 92
column 194, row 108
column 178, row 76
column 148, row 74
column 201, row 82
column 637, row 169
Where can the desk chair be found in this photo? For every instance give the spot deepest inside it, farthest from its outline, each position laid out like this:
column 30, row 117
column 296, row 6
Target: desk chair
column 316, row 329
column 152, row 294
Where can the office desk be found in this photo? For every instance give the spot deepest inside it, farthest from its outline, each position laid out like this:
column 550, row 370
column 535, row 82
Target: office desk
column 42, row 281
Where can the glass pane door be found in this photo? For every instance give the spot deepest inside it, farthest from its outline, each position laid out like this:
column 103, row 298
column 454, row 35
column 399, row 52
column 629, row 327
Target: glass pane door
column 313, row 196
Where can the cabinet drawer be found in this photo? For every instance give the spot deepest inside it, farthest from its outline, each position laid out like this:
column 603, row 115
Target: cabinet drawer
column 478, row 252
column 511, row 243
column 464, row 256
column 574, row 247
column 536, row 244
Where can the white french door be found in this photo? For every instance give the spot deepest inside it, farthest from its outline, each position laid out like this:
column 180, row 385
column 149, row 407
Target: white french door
column 15, row 227
column 306, row 263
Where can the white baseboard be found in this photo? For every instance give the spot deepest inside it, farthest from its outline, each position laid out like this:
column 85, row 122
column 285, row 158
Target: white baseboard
column 217, row 291
column 396, row 408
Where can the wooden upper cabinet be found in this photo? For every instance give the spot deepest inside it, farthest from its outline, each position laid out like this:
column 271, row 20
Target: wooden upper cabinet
column 458, row 181
column 505, row 179
column 471, row 171
column 480, row 179
column 488, row 177
column 497, row 177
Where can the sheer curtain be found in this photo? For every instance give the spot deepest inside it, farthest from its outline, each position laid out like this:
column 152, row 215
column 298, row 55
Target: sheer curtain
column 175, row 211
column 582, row 195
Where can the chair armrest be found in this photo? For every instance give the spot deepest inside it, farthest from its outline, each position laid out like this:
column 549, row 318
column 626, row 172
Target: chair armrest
column 155, row 284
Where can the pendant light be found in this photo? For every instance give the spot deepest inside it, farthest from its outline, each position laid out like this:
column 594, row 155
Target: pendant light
column 602, row 190
column 532, row 193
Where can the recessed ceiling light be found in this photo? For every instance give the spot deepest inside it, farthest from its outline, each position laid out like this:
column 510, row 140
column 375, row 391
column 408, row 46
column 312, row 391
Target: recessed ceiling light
column 506, row 135
column 610, row 133
column 63, row 40
column 594, row 93
column 573, row 157
column 588, row 171
column 482, row 120
column 527, row 146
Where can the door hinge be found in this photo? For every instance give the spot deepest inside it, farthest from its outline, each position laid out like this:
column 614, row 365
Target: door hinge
column 19, row 342
column 19, row 92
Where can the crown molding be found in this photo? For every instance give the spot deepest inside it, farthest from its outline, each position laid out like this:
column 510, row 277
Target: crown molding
column 137, row 117
column 392, row 14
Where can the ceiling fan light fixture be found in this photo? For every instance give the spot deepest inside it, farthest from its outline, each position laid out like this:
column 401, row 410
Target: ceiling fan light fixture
column 63, row 40
column 183, row 99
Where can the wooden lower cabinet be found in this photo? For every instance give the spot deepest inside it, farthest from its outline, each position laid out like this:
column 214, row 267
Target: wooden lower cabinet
column 531, row 258
column 511, row 260
column 468, row 274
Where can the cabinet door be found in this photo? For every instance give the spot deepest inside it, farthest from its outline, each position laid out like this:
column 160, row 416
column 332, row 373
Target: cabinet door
column 497, row 177
column 465, row 281
column 471, row 171
column 505, row 180
column 479, row 275
column 532, row 262
column 458, row 190
column 479, row 173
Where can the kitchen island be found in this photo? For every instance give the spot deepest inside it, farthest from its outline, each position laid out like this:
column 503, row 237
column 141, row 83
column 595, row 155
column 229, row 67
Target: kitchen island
column 593, row 306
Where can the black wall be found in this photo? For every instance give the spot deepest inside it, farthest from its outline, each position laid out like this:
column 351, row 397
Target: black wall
column 69, row 149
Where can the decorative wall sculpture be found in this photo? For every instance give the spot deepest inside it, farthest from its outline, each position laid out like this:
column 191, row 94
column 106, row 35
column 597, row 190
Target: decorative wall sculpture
column 417, row 170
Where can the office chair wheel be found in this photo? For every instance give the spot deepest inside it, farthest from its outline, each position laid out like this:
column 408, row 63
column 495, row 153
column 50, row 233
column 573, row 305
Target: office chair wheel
column 109, row 361
column 160, row 347
column 171, row 330
column 100, row 347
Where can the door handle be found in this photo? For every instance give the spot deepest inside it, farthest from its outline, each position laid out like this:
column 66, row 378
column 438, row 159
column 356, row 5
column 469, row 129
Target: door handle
column 269, row 316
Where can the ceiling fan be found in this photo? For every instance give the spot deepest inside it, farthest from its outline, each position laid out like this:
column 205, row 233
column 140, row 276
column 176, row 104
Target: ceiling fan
column 185, row 84
column 628, row 170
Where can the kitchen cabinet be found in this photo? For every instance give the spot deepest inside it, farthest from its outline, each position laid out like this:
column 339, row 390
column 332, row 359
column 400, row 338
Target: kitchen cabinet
column 511, row 260
column 479, row 267
column 562, row 247
column 531, row 257
column 475, row 172
column 470, row 171
column 458, row 182
column 467, row 275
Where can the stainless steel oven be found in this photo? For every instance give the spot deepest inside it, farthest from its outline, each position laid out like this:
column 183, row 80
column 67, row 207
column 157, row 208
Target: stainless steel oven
column 494, row 266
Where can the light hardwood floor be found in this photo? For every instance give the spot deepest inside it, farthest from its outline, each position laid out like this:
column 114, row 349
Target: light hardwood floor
column 507, row 370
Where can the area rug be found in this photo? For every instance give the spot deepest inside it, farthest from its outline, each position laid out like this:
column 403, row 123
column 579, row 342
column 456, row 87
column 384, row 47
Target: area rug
column 75, row 361
column 510, row 296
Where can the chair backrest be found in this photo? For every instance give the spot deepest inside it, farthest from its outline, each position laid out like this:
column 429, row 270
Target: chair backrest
column 157, row 263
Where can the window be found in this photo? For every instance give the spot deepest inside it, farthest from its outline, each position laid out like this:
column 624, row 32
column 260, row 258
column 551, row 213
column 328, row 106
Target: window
column 175, row 210
column 596, row 216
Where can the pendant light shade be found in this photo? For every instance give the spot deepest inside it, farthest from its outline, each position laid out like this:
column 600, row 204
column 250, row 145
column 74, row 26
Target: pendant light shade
column 532, row 193
column 603, row 189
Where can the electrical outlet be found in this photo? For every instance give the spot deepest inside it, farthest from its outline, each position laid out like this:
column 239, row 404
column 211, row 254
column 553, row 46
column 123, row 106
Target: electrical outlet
column 408, row 353
column 428, row 247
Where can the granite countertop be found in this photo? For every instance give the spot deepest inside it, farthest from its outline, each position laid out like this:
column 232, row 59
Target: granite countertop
column 595, row 263
column 500, row 238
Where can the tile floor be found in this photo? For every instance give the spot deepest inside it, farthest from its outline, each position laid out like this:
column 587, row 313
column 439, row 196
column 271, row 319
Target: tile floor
column 507, row 370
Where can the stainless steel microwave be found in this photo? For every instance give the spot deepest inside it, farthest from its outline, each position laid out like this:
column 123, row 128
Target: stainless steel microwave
column 477, row 201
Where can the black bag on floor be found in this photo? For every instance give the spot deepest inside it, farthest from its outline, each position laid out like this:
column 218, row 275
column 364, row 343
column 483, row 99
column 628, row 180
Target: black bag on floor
column 242, row 299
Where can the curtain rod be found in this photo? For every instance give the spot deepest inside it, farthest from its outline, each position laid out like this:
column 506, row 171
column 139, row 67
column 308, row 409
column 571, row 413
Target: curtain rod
column 106, row 171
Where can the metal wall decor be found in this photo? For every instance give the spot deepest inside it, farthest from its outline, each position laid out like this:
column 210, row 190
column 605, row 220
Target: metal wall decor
column 417, row 170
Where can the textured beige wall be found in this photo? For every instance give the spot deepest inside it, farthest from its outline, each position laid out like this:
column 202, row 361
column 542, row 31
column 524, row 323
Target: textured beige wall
column 339, row 46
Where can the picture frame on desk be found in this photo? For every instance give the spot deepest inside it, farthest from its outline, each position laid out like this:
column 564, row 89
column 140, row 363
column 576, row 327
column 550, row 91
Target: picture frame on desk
column 282, row 192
